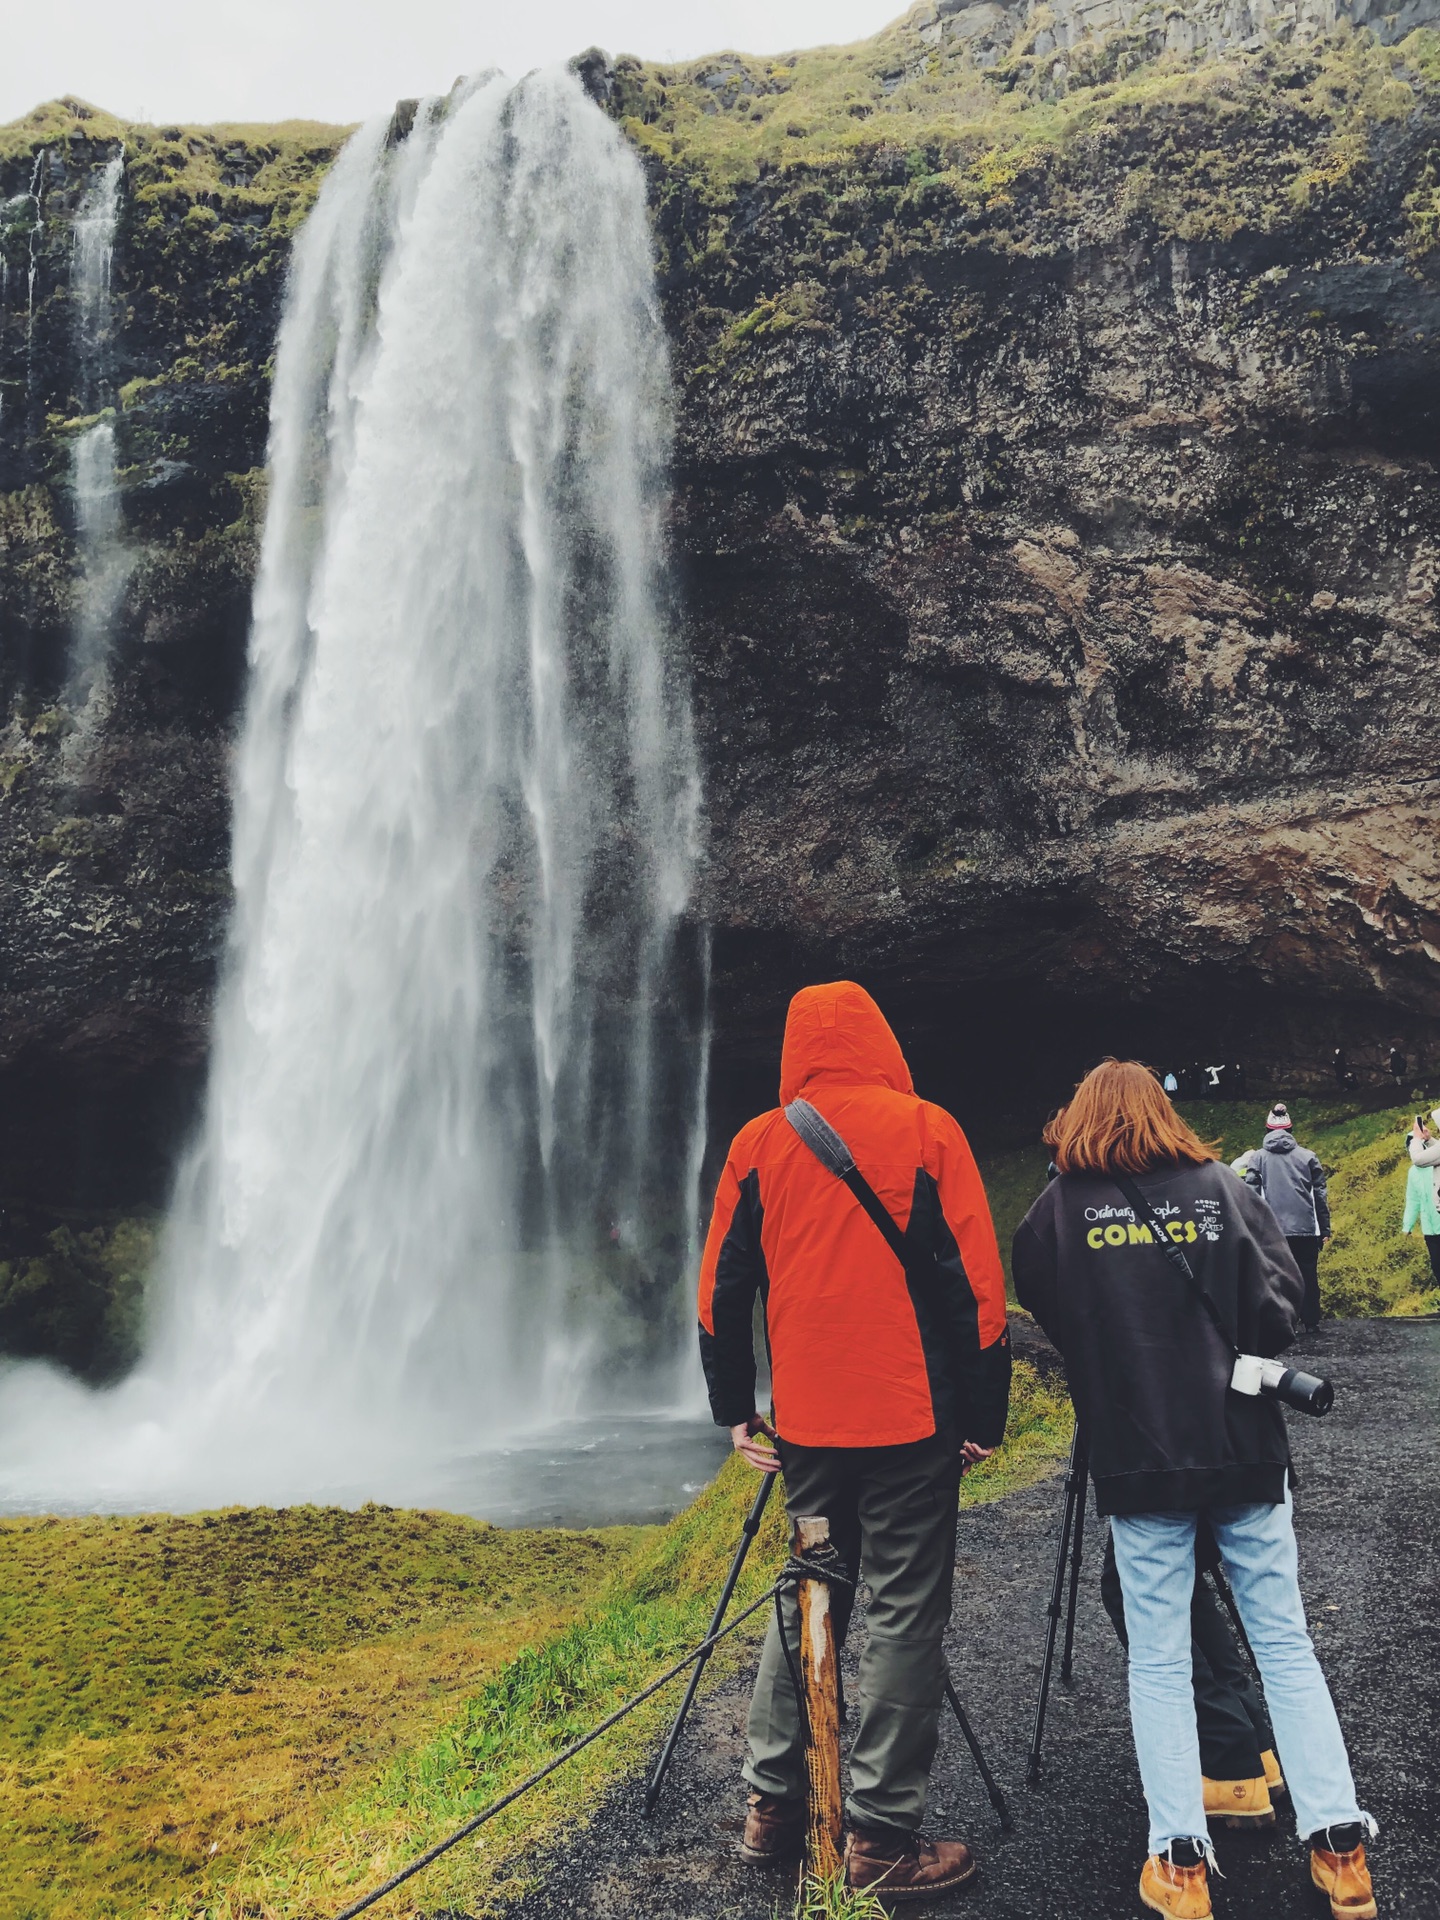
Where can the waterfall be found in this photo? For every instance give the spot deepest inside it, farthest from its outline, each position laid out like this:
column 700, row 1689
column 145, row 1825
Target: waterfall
column 443, row 1185
column 99, row 523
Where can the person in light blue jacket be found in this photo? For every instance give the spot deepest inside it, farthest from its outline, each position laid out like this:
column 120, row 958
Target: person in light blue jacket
column 1422, row 1189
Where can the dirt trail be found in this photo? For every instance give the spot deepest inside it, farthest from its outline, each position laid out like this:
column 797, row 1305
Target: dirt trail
column 1368, row 1514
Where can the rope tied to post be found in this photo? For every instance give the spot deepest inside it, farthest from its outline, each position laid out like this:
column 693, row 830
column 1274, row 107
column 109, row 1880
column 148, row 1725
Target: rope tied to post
column 816, row 1563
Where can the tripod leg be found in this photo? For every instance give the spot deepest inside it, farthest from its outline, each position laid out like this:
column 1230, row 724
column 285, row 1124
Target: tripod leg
column 1222, row 1587
column 749, row 1529
column 1077, row 1555
column 992, row 1789
column 1032, row 1769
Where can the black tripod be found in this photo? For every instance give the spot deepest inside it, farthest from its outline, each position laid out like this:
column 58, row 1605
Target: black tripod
column 1072, row 1550
column 748, row 1531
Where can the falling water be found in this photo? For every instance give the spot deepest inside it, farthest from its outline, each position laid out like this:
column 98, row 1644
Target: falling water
column 441, row 1190
column 105, row 563
column 37, row 230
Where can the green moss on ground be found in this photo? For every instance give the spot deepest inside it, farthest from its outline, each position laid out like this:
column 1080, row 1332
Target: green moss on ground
column 1369, row 1268
column 174, row 1689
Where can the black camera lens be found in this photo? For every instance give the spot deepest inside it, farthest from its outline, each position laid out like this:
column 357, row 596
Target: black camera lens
column 1305, row 1392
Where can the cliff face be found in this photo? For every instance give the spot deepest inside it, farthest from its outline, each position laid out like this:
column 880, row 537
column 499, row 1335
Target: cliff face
column 1058, row 500
column 1055, row 508
column 114, row 820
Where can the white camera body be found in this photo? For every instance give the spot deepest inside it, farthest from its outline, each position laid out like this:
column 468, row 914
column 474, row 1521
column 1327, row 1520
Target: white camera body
column 1252, row 1375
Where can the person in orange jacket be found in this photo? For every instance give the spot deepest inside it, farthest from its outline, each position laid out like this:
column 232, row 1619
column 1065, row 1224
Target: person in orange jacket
column 888, row 1378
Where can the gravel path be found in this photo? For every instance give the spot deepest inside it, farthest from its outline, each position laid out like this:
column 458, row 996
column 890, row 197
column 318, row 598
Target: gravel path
column 1368, row 1514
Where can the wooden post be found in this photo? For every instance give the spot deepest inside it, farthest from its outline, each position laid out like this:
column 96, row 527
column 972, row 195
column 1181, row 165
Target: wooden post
column 819, row 1673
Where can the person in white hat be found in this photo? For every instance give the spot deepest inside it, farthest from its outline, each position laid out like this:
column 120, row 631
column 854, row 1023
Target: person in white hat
column 1292, row 1182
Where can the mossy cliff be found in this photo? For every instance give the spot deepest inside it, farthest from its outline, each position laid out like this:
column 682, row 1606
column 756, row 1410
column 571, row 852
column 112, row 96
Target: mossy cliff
column 1057, row 495
column 1054, row 504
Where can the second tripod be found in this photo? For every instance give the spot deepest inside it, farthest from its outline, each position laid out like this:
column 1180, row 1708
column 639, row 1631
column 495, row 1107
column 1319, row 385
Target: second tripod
column 1069, row 1556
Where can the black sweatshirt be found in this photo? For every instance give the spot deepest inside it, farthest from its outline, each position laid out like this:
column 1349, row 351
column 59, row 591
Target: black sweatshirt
column 1148, row 1371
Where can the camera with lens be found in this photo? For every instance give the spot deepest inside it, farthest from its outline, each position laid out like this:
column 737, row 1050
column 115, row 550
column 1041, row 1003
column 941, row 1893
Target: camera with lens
column 1305, row 1392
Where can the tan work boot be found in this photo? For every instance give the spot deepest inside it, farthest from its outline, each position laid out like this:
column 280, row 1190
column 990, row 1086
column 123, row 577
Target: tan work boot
column 774, row 1830
column 905, row 1866
column 1181, row 1892
column 1238, row 1803
column 1345, row 1879
column 1274, row 1778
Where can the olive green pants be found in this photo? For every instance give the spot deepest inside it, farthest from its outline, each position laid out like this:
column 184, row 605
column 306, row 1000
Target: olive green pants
column 892, row 1513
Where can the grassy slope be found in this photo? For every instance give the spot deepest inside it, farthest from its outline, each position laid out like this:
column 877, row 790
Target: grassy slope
column 172, row 1688
column 260, row 1713
column 1369, row 1268
column 1243, row 143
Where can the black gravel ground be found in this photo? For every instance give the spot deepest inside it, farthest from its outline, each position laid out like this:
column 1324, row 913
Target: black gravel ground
column 1368, row 1514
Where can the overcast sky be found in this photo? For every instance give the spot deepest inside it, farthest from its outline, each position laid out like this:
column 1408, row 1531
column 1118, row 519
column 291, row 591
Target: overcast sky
column 203, row 60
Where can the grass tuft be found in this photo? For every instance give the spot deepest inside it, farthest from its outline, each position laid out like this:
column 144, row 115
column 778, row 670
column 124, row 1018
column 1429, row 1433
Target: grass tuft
column 826, row 1897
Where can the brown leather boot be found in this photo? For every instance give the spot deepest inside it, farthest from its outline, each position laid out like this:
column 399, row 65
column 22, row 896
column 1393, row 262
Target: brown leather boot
column 905, row 1866
column 1238, row 1803
column 1274, row 1778
column 1345, row 1879
column 1181, row 1892
column 774, row 1830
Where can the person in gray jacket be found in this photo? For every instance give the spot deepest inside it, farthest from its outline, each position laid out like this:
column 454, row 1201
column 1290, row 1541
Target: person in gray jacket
column 1292, row 1181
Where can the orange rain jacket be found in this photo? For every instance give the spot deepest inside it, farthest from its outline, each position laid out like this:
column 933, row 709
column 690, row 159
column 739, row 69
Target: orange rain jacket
column 860, row 1355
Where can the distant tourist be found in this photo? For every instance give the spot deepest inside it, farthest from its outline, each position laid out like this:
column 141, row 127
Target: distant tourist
column 1238, row 1081
column 1291, row 1180
column 1214, row 1077
column 1171, row 1084
column 1340, row 1067
column 1422, row 1190
column 1399, row 1066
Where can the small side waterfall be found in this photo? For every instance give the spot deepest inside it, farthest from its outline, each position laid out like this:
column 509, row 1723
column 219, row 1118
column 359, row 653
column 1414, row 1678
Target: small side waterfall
column 444, row 1185
column 99, row 524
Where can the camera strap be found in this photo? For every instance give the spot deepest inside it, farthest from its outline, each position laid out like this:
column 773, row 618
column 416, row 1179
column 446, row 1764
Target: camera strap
column 833, row 1154
column 1145, row 1210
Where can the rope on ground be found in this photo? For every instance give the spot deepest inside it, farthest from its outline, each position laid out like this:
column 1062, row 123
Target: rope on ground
column 423, row 1860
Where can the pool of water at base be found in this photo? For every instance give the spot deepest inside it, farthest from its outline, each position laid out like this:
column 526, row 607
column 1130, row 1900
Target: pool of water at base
column 595, row 1470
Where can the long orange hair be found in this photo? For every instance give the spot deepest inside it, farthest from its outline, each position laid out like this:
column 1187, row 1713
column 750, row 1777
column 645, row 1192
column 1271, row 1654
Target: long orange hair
column 1121, row 1120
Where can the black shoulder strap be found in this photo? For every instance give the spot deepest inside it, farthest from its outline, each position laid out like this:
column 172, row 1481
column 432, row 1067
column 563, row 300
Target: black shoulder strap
column 1145, row 1210
column 833, row 1154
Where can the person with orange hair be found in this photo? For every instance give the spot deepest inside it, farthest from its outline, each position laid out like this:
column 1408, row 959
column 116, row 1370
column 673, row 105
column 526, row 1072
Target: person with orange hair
column 890, row 1372
column 1169, row 1440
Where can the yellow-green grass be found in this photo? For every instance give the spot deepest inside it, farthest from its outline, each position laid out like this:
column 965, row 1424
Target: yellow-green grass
column 1369, row 1268
column 260, row 1714
column 826, row 1897
column 193, row 167
column 834, row 109
column 174, row 1689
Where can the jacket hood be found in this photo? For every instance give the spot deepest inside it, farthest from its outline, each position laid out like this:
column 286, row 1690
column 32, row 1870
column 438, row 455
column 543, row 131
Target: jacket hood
column 1279, row 1143
column 837, row 1034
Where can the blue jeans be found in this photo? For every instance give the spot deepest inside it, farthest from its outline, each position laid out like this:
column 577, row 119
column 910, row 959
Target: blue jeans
column 1155, row 1553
